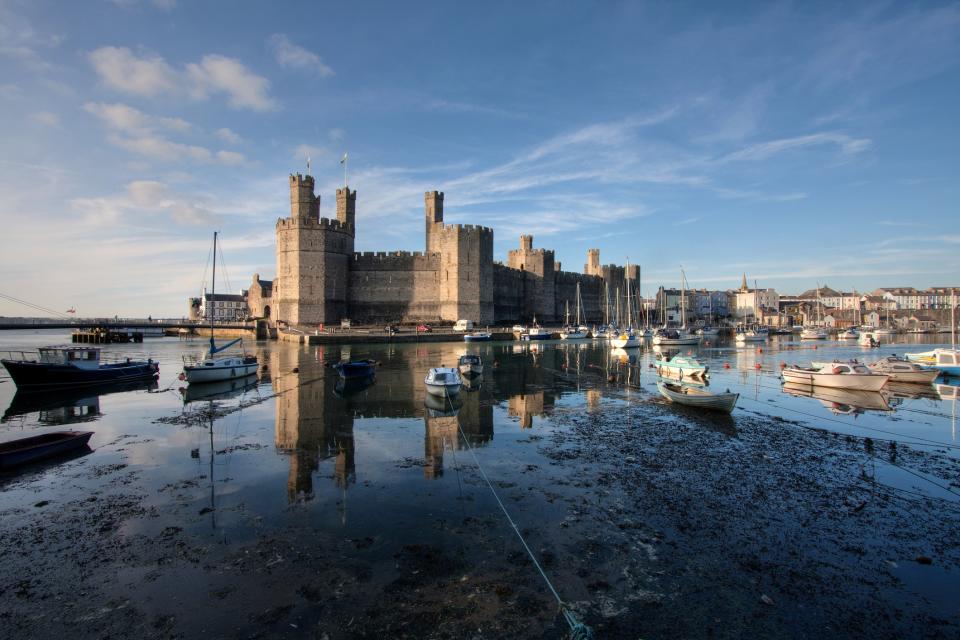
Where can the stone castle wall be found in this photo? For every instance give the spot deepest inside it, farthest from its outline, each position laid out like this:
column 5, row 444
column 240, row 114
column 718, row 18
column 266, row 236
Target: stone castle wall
column 394, row 287
column 591, row 297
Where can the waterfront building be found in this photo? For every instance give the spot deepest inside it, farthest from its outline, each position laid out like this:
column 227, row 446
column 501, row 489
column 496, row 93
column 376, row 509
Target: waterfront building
column 749, row 303
column 224, row 307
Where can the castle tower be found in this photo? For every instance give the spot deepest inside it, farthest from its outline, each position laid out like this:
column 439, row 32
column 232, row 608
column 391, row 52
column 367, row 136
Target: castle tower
column 347, row 206
column 541, row 263
column 592, row 268
column 433, row 211
column 313, row 259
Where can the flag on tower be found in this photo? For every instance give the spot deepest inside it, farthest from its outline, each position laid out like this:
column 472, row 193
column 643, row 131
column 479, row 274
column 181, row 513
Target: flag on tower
column 344, row 158
column 308, row 164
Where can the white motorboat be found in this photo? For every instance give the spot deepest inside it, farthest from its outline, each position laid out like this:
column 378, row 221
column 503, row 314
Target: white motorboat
column 884, row 331
column 698, row 398
column 708, row 332
column 224, row 367
column 946, row 361
column 470, row 364
column 813, row 333
column 536, row 332
column 868, row 339
column 478, row 336
column 838, row 375
column 443, row 381
column 904, row 370
column 848, row 334
column 681, row 367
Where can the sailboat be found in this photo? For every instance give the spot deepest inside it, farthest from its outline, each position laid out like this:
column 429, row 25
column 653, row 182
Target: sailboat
column 815, row 332
column 626, row 339
column 578, row 332
column 215, row 368
column 647, row 332
column 709, row 331
column 678, row 336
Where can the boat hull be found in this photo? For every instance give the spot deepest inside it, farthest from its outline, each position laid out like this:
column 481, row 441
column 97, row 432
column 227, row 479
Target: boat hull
column 39, row 375
column 471, row 369
column 48, row 445
column 358, row 369
column 218, row 374
column 676, row 341
column 862, row 382
column 625, row 343
column 443, row 390
column 484, row 337
column 724, row 402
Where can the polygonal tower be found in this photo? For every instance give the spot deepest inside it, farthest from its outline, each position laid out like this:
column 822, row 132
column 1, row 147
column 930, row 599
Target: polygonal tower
column 313, row 258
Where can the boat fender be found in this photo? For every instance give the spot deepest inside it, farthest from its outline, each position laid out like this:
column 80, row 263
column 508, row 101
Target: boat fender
column 182, row 377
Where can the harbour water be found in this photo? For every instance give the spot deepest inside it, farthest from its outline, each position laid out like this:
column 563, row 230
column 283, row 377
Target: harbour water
column 295, row 505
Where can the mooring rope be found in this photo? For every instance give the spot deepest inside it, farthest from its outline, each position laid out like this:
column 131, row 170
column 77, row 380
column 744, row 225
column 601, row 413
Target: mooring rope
column 578, row 630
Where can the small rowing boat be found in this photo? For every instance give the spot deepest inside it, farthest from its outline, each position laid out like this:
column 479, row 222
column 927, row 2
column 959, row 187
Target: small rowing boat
column 443, row 381
column 698, row 398
column 837, row 375
column 26, row 450
column 356, row 368
column 470, row 364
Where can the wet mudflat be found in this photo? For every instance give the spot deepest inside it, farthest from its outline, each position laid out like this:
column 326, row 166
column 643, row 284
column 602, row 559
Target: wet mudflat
column 293, row 506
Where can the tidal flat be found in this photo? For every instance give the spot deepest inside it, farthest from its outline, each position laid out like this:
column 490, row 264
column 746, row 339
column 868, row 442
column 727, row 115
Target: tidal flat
column 295, row 506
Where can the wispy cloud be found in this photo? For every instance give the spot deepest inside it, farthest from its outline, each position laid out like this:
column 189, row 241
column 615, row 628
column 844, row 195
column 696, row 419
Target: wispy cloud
column 228, row 136
column 46, row 118
column 288, row 54
column 686, row 221
column 761, row 151
column 449, row 106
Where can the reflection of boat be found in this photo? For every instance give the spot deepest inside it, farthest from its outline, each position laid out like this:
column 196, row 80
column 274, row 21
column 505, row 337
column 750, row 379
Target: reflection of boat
column 68, row 366
column 440, row 407
column 910, row 390
column 47, row 445
column 698, row 398
column 681, row 367
column 472, row 383
column 443, row 381
column 356, row 368
column 470, row 364
column 69, row 405
column 345, row 387
column 840, row 400
column 838, row 375
column 221, row 389
column 948, row 391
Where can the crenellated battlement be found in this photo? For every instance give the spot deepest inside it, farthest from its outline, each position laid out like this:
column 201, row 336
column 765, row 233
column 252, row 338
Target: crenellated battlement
column 394, row 261
column 319, row 224
column 464, row 230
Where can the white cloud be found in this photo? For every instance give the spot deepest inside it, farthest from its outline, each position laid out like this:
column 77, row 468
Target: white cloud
column 220, row 74
column 144, row 199
column 228, row 136
column 46, row 118
column 119, row 68
column 129, row 120
column 288, row 54
column 150, row 75
column 230, row 157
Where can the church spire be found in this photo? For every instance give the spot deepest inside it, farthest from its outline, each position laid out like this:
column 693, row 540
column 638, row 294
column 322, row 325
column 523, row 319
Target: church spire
column 743, row 285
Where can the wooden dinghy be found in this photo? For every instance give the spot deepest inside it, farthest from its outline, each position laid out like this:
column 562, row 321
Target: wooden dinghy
column 26, row 450
column 698, row 398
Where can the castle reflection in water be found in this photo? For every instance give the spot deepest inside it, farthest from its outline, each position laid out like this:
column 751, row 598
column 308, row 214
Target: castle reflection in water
column 316, row 411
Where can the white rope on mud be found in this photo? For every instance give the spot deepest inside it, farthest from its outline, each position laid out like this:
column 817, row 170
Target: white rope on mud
column 578, row 630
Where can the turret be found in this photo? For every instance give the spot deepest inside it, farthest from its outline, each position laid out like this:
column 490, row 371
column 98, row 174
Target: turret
column 303, row 204
column 592, row 268
column 347, row 207
column 433, row 211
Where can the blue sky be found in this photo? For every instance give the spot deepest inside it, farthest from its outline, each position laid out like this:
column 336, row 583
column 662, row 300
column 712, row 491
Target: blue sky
column 796, row 142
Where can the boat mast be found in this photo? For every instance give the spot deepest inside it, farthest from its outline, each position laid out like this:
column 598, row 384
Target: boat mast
column 606, row 303
column 953, row 324
column 213, row 291
column 629, row 306
column 578, row 304
column 683, row 300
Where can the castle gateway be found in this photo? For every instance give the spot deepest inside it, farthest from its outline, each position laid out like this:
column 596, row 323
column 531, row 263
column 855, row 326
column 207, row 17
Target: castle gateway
column 322, row 280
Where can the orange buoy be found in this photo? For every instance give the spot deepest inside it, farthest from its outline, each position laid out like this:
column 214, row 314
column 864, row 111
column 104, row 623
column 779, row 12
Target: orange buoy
column 759, row 349
column 726, row 365
column 757, row 366
column 783, row 365
column 814, row 347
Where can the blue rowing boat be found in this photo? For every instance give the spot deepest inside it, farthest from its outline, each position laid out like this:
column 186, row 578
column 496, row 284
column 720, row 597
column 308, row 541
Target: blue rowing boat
column 26, row 450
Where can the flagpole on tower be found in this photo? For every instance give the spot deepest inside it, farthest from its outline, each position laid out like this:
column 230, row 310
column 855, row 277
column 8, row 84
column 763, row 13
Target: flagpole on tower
column 343, row 161
column 308, row 165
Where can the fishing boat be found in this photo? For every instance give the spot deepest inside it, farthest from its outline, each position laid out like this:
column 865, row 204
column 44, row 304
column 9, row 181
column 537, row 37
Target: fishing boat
column 946, row 361
column 837, row 376
column 536, row 332
column 225, row 367
column 71, row 366
column 47, row 445
column 478, row 336
column 699, row 398
column 751, row 335
column 443, row 381
column 470, row 364
column 681, row 367
column 356, row 368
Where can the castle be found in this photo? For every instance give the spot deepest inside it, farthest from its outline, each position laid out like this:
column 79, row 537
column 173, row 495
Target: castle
column 322, row 280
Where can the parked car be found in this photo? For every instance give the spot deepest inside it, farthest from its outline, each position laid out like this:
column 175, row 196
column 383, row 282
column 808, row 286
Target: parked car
column 423, row 328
